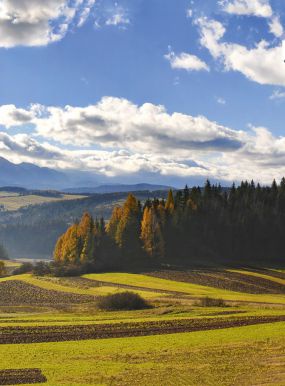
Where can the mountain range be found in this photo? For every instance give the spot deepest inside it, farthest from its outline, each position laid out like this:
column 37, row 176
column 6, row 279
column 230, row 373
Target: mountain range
column 30, row 176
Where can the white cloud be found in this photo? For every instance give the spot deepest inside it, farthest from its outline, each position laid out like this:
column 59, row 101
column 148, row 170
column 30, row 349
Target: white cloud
column 118, row 18
column 189, row 12
column 277, row 94
column 263, row 64
column 260, row 8
column 38, row 23
column 276, row 27
column 186, row 62
column 221, row 101
column 114, row 16
column 11, row 116
column 118, row 123
column 117, row 138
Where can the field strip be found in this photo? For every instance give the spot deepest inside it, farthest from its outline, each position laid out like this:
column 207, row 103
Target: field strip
column 52, row 284
column 16, row 335
column 194, row 290
column 21, row 376
column 260, row 275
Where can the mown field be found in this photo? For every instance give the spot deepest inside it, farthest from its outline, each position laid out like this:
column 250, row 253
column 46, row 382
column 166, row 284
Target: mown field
column 15, row 201
column 53, row 328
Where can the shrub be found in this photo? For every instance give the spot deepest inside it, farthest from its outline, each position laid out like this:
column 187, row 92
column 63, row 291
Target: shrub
column 2, row 269
column 122, row 301
column 3, row 253
column 71, row 270
column 210, row 302
column 24, row 268
column 42, row 269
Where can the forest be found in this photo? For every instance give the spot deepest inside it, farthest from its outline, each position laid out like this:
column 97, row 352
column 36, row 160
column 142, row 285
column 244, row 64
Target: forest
column 243, row 224
column 46, row 222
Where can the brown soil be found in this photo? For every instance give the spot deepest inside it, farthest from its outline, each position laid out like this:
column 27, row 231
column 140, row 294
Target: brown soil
column 269, row 272
column 81, row 282
column 224, row 280
column 21, row 376
column 16, row 292
column 11, row 335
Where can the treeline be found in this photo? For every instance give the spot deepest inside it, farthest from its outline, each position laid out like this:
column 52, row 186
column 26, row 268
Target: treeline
column 241, row 224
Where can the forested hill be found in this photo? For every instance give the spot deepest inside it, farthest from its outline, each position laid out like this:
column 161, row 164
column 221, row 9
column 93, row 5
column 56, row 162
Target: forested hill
column 31, row 232
column 243, row 224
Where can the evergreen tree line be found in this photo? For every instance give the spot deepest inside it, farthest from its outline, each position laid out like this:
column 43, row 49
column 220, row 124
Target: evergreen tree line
column 240, row 224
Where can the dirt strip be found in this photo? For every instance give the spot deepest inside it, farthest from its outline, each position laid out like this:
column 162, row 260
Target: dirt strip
column 21, row 377
column 11, row 335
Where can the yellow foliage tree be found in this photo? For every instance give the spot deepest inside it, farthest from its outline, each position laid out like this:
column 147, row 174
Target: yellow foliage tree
column 151, row 233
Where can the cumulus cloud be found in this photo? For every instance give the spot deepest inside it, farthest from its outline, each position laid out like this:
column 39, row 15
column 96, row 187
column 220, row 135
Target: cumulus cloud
column 11, row 116
column 118, row 138
column 260, row 8
column 118, row 123
column 263, row 64
column 38, row 23
column 185, row 61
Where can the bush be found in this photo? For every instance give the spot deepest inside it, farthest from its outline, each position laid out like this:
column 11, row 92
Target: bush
column 2, row 269
column 122, row 301
column 3, row 253
column 210, row 302
column 42, row 269
column 71, row 270
column 24, row 268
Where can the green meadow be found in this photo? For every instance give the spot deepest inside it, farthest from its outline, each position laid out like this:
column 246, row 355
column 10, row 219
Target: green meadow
column 241, row 355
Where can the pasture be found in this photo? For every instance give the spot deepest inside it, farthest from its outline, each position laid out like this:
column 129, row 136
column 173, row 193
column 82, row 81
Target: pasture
column 14, row 201
column 53, row 327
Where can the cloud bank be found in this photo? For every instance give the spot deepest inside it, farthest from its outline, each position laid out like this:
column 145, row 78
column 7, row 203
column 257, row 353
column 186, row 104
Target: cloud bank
column 115, row 137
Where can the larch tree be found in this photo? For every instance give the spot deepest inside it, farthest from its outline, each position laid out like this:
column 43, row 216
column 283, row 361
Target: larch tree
column 169, row 206
column 128, row 231
column 113, row 224
column 151, row 234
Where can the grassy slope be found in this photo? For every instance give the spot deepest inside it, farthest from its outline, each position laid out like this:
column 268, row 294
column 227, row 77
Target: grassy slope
column 16, row 202
column 236, row 356
column 55, row 284
column 261, row 275
column 187, row 288
column 240, row 356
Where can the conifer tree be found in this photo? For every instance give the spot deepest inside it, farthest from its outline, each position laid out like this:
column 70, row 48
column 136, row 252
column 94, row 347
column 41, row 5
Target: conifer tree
column 169, row 206
column 58, row 250
column 128, row 231
column 113, row 224
column 151, row 234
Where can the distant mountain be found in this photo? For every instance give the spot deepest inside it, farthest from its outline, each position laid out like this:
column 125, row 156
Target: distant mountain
column 113, row 188
column 30, row 176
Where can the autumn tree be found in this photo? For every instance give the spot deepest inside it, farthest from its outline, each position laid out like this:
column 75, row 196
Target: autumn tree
column 2, row 269
column 87, row 238
column 151, row 233
column 113, row 224
column 128, row 230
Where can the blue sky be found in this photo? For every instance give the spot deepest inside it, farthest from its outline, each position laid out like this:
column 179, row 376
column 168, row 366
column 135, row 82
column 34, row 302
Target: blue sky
column 145, row 90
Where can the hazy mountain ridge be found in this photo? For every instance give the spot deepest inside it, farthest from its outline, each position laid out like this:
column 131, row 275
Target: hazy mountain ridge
column 29, row 175
column 114, row 188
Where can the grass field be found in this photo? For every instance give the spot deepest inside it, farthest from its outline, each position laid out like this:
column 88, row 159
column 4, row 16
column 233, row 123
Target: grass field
column 240, row 356
column 13, row 201
column 205, row 349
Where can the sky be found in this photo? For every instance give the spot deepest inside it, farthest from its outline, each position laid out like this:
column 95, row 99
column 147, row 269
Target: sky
column 164, row 91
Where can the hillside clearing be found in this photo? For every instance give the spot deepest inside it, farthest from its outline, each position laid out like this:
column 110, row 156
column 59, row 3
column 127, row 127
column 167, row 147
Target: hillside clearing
column 15, row 202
